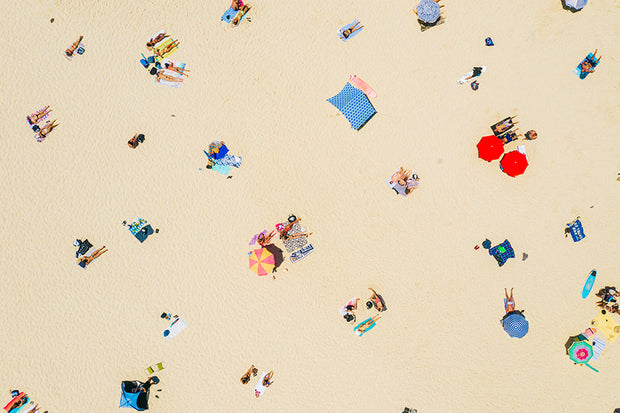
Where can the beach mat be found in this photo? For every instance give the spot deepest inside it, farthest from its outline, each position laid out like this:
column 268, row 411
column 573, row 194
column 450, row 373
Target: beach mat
column 294, row 244
column 81, row 45
column 425, row 27
column 598, row 345
column 576, row 231
column 578, row 70
column 230, row 14
column 302, row 253
column 175, row 85
column 163, row 44
column 346, row 27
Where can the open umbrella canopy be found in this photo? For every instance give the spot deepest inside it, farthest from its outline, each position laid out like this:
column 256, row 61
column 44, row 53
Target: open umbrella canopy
column 490, row 148
column 575, row 4
column 428, row 11
column 134, row 395
column 514, row 163
column 515, row 324
column 580, row 352
column 262, row 262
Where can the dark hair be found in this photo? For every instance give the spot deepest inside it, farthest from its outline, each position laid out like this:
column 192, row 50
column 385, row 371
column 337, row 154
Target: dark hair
column 348, row 317
column 140, row 138
column 209, row 166
column 153, row 70
column 349, row 307
column 368, row 304
column 164, row 315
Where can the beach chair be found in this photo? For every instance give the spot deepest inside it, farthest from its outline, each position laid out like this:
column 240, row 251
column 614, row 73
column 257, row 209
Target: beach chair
column 154, row 368
column 354, row 105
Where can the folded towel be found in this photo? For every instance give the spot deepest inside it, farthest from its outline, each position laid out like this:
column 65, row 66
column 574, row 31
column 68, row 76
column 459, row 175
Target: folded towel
column 346, row 27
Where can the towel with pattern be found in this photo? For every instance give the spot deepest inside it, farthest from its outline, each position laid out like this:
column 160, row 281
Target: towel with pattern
column 295, row 243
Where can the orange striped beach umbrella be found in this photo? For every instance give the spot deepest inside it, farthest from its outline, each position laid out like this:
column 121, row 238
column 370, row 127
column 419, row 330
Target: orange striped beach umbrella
column 262, row 262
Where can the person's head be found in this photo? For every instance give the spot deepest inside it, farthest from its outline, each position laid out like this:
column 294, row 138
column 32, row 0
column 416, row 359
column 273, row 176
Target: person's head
column 348, row 317
column 245, row 379
column 153, row 71
column 69, row 52
column 164, row 315
column 369, row 304
column 531, row 134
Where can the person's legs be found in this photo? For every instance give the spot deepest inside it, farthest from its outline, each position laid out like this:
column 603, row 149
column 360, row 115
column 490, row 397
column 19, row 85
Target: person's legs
column 98, row 252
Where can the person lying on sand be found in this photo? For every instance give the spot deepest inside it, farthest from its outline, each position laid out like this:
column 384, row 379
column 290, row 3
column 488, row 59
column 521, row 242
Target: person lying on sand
column 265, row 239
column 74, row 46
column 288, row 237
column 168, row 48
column 242, row 11
column 509, row 302
column 346, row 33
column 237, row 4
column 377, row 300
column 348, row 311
column 587, row 66
column 180, row 70
column 154, row 40
column 38, row 116
column 40, row 137
column 87, row 259
column 366, row 325
column 477, row 71
column 412, row 183
column 267, row 379
column 401, row 176
column 510, row 136
column 503, row 125
column 246, row 377
column 162, row 76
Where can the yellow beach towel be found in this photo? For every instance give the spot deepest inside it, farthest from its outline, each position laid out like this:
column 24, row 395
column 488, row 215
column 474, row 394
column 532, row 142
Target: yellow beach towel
column 162, row 46
column 606, row 326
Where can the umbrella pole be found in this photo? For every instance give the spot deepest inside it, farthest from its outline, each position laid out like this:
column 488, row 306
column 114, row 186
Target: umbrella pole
column 591, row 367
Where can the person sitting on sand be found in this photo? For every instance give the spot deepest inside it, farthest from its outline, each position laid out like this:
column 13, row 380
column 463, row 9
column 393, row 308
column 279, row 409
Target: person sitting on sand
column 167, row 49
column 347, row 311
column 87, row 259
column 377, row 301
column 367, row 324
column 180, row 70
column 38, row 116
column 40, row 137
column 346, row 33
column 509, row 302
column 154, row 40
column 265, row 239
column 531, row 135
column 74, row 46
column 242, row 11
column 162, row 76
column 252, row 371
column 587, row 65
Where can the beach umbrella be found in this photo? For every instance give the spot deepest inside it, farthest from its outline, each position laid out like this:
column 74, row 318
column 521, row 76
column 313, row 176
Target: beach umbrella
column 575, row 4
column 515, row 324
column 490, row 148
column 580, row 351
column 514, row 163
column 428, row 11
column 262, row 261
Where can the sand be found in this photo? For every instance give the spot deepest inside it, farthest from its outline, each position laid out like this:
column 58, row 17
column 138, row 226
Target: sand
column 70, row 336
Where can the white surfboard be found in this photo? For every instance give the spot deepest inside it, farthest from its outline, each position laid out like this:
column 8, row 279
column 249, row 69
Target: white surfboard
column 464, row 79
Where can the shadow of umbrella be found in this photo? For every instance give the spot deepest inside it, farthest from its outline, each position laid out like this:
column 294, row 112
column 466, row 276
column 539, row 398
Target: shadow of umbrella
column 277, row 255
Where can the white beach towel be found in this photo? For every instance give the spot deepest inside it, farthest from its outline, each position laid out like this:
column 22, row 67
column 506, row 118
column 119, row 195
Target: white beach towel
column 175, row 85
column 155, row 35
column 175, row 328
column 598, row 345
column 260, row 389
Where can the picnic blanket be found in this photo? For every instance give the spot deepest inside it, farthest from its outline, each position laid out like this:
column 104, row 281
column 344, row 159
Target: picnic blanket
column 347, row 27
column 502, row 252
column 354, row 105
column 296, row 243
column 576, row 230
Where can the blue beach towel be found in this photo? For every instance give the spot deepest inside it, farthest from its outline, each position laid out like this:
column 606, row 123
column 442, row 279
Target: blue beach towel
column 230, row 14
column 576, row 231
column 346, row 27
column 578, row 70
column 223, row 169
column 368, row 329
column 354, row 105
column 502, row 252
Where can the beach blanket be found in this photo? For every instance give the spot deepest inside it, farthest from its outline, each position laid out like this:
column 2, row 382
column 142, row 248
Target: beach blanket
column 343, row 310
column 175, row 328
column 598, row 345
column 161, row 45
column 368, row 329
column 136, row 226
column 347, row 27
column 175, row 85
column 579, row 69
column 576, row 230
column 296, row 243
column 78, row 50
column 144, row 232
column 302, row 253
column 502, row 252
column 230, row 14
column 260, row 389
column 222, row 169
column 229, row 160
column 354, row 105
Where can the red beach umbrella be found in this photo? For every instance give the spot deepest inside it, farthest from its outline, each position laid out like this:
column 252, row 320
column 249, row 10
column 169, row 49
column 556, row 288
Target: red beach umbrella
column 514, row 163
column 490, row 148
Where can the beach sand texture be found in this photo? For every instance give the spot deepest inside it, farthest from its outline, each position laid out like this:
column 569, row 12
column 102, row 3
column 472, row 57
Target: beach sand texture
column 70, row 336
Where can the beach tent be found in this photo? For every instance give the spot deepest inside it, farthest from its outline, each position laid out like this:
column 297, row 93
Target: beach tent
column 354, row 105
column 515, row 324
column 134, row 395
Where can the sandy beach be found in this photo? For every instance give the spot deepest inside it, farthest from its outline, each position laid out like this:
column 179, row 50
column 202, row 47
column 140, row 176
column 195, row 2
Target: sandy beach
column 72, row 335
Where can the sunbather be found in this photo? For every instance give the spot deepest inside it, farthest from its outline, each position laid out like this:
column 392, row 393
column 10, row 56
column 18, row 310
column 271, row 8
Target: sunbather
column 265, row 239
column 587, row 65
column 45, row 130
column 236, row 5
column 401, row 176
column 503, row 125
column 162, row 76
column 509, row 302
column 242, row 11
column 87, row 259
column 137, row 139
column 347, row 311
column 412, row 183
column 154, row 40
column 510, row 136
column 267, row 379
column 287, row 228
column 167, row 49
column 377, row 300
column 38, row 116
column 367, row 324
column 180, row 70
column 344, row 34
column 252, row 371
column 288, row 236
column 69, row 51
column 477, row 71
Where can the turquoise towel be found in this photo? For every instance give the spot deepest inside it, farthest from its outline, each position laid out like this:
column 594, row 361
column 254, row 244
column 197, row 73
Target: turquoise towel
column 230, row 14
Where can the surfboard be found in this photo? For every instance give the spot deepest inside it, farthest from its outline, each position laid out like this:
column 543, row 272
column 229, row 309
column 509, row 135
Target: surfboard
column 589, row 284
column 464, row 79
column 363, row 86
